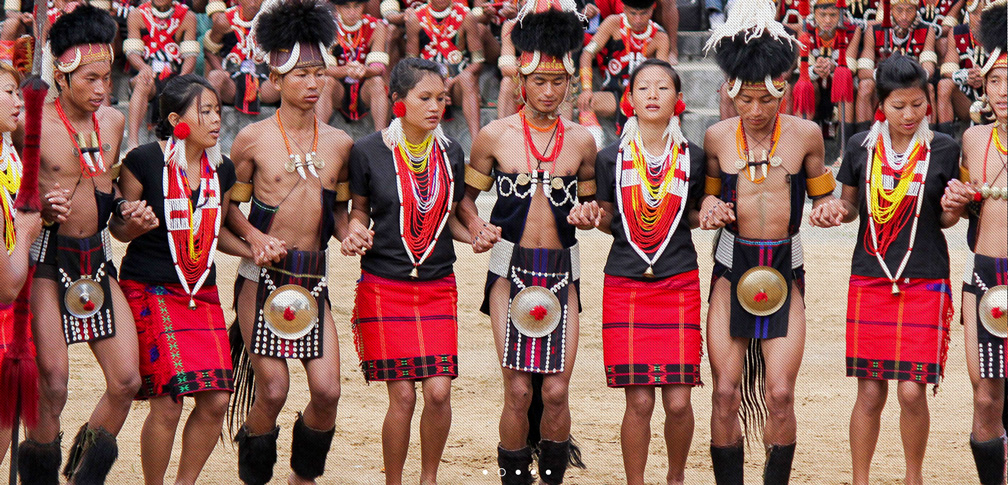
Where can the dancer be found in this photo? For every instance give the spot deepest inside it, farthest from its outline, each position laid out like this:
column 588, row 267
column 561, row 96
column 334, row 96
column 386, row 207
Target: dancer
column 760, row 166
column 169, row 278
column 899, row 303
column 75, row 297
column 542, row 165
column 405, row 312
column 298, row 193
column 984, row 320
column 650, row 185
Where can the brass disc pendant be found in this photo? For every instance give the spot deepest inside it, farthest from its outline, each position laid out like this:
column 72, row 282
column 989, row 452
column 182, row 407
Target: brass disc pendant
column 535, row 311
column 993, row 311
column 84, row 298
column 761, row 290
column 557, row 183
column 291, row 164
column 523, row 179
column 776, row 161
column 290, row 311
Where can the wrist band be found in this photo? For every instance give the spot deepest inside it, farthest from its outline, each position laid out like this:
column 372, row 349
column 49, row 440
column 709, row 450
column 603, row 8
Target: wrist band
column 388, row 7
column 928, row 56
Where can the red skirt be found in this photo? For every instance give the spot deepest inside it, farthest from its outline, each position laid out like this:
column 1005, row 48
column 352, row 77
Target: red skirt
column 898, row 337
column 7, row 331
column 406, row 330
column 182, row 351
column 651, row 330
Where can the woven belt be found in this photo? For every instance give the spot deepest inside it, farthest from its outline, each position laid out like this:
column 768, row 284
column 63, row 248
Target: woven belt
column 500, row 259
column 726, row 249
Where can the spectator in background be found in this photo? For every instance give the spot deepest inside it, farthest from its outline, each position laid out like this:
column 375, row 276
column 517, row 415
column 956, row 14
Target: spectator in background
column 230, row 53
column 361, row 60
column 161, row 44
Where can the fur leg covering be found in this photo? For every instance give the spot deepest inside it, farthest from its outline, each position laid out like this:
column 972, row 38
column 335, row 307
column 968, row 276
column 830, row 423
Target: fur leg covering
column 309, row 449
column 256, row 455
column 990, row 460
column 514, row 466
column 92, row 455
column 553, row 459
column 777, row 470
column 728, row 463
column 38, row 463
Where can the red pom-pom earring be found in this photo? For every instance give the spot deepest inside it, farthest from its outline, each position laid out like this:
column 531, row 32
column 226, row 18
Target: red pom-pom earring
column 399, row 109
column 929, row 109
column 181, row 130
column 680, row 106
column 625, row 106
column 879, row 115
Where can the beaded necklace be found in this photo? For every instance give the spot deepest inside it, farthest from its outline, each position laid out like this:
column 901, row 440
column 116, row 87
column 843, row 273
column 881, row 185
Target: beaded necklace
column 89, row 150
column 531, row 151
column 889, row 208
column 650, row 196
column 10, row 181
column 424, row 188
column 746, row 156
column 311, row 160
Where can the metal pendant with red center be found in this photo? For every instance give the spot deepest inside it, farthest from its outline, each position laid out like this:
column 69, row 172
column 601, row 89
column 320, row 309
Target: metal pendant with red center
column 84, row 298
column 993, row 311
column 761, row 291
column 290, row 311
column 535, row 311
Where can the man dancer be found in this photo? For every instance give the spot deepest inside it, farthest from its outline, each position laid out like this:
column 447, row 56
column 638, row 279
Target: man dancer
column 298, row 191
column 760, row 165
column 161, row 44
column 983, row 168
column 531, row 293
column 75, row 297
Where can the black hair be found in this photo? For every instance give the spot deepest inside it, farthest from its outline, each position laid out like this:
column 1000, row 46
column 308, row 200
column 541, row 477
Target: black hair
column 83, row 25
column 552, row 32
column 665, row 66
column 639, row 4
column 753, row 59
column 295, row 21
column 346, row 2
column 899, row 72
column 178, row 96
column 408, row 72
column 993, row 26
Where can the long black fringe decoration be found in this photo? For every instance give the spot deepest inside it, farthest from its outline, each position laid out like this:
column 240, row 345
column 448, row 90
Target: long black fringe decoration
column 244, row 380
column 753, row 411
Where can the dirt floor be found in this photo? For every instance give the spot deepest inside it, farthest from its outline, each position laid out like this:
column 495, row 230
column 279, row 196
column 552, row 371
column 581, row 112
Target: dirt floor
column 823, row 401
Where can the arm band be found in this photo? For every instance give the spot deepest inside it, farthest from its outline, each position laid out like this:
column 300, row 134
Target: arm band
column 586, row 188
column 211, row 46
column 377, row 56
column 851, row 62
column 12, row 5
column 114, row 170
column 949, row 68
column 133, row 46
column 388, row 7
column 242, row 192
column 189, row 48
column 591, row 48
column 342, row 191
column 821, row 185
column 102, row 4
column 477, row 180
column 214, row 7
column 712, row 185
column 506, row 61
column 476, row 57
column 865, row 63
column 964, row 175
column 928, row 56
column 949, row 22
column 478, row 11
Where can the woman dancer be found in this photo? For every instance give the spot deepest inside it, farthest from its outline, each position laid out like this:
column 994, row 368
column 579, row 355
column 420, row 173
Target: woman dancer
column 899, row 303
column 405, row 314
column 168, row 277
column 650, row 184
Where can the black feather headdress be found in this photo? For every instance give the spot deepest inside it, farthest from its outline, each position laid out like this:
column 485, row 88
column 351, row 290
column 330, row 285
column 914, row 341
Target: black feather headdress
column 639, row 4
column 83, row 25
column 282, row 24
column 552, row 32
column 994, row 26
column 752, row 47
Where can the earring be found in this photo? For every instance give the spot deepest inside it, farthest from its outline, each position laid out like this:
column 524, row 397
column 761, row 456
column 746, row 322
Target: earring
column 399, row 109
column 181, row 130
column 680, row 106
column 879, row 115
column 625, row 106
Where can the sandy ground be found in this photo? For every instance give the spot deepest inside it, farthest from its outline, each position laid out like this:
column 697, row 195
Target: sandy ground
column 823, row 401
